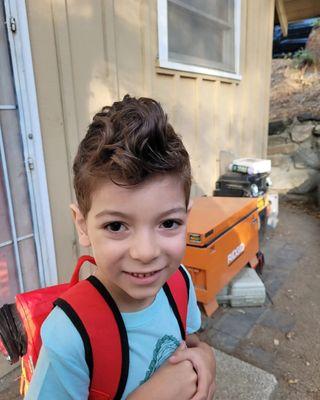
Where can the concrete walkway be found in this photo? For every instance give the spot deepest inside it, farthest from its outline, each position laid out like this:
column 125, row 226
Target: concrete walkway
column 238, row 380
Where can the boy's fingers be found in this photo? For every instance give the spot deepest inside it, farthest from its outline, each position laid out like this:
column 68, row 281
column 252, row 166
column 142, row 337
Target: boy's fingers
column 204, row 390
column 181, row 348
column 204, row 381
column 179, row 355
column 202, row 387
column 212, row 391
column 182, row 345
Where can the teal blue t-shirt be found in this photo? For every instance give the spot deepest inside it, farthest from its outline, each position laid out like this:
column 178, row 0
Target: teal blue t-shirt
column 153, row 335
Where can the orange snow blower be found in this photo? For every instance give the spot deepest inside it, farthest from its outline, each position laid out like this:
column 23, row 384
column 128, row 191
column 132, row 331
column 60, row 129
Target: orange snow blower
column 222, row 238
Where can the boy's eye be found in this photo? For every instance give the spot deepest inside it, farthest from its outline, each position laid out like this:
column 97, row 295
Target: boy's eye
column 115, row 227
column 170, row 224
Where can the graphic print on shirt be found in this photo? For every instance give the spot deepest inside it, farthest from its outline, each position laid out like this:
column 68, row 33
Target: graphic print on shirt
column 163, row 350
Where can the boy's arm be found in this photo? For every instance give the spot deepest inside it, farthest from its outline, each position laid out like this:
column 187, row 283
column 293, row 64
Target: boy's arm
column 202, row 358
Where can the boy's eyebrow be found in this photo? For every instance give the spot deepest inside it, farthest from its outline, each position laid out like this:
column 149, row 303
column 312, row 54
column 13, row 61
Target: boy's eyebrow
column 123, row 215
column 111, row 212
column 173, row 210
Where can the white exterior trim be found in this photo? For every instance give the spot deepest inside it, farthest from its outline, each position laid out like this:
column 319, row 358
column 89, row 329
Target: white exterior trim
column 32, row 142
column 237, row 35
column 163, row 45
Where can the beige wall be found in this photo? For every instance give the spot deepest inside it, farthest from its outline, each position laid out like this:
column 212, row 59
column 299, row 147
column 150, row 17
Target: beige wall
column 88, row 53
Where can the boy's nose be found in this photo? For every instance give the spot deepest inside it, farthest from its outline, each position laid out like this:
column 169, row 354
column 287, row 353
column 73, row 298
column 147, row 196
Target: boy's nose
column 144, row 247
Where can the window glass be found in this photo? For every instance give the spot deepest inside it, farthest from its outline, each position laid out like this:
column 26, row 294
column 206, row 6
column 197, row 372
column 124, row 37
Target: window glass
column 201, row 33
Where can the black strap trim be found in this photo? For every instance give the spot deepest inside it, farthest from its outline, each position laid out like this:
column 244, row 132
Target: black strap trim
column 122, row 330
column 73, row 316
column 174, row 306
column 186, row 278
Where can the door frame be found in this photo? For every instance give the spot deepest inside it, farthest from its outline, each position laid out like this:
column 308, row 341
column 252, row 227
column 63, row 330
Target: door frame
column 23, row 74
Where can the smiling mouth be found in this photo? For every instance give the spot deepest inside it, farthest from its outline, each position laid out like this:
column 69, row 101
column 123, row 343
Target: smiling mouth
column 143, row 275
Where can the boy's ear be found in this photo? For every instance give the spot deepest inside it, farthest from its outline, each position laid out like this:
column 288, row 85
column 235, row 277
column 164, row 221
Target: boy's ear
column 81, row 225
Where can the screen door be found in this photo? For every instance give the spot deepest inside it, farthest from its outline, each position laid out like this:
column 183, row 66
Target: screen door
column 18, row 259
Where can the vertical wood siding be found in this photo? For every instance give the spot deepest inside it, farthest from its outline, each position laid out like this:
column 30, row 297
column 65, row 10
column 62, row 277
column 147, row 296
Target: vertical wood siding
column 89, row 53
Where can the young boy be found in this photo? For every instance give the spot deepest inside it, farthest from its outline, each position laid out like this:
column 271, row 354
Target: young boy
column 132, row 182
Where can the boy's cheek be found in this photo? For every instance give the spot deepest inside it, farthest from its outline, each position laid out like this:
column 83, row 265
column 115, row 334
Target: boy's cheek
column 178, row 248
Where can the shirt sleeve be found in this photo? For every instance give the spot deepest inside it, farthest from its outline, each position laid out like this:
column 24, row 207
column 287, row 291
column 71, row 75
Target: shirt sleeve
column 194, row 314
column 61, row 371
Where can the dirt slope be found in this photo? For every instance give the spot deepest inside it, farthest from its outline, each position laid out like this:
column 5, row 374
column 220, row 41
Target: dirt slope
column 293, row 91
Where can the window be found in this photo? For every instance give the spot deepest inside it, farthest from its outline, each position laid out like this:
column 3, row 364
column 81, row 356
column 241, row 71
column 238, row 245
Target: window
column 201, row 36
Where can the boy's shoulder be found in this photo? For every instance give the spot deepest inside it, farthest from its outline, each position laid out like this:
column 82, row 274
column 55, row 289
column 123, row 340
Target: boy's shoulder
column 57, row 331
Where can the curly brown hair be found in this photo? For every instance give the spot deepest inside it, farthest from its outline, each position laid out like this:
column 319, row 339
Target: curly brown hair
column 128, row 143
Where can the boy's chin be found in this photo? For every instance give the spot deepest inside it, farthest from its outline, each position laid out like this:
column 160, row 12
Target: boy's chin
column 137, row 302
column 143, row 295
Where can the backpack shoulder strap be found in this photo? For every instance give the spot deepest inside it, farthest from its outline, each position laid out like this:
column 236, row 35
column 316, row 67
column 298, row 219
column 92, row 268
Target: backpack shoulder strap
column 91, row 309
column 177, row 291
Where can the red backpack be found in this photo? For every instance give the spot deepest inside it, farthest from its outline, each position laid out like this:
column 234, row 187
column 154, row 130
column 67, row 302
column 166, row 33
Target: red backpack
column 104, row 338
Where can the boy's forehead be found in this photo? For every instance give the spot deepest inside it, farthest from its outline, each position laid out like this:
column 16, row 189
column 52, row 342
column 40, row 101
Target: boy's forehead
column 153, row 183
column 161, row 189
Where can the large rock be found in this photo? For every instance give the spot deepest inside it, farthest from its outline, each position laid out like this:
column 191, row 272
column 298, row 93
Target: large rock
column 277, row 127
column 301, row 132
column 316, row 131
column 307, row 158
column 308, row 117
column 285, row 179
column 313, row 44
column 280, row 160
column 277, row 139
column 286, row 148
column 307, row 186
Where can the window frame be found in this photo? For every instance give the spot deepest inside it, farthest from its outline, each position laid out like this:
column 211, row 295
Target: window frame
column 163, row 55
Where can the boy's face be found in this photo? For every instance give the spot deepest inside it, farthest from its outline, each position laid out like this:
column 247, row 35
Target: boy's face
column 137, row 235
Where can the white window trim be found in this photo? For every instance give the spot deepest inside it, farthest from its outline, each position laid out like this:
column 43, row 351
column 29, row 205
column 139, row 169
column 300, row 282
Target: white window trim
column 164, row 62
column 32, row 142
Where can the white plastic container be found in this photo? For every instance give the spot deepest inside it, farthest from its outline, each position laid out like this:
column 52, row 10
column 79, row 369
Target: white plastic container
column 245, row 290
column 273, row 209
column 274, row 203
column 251, row 165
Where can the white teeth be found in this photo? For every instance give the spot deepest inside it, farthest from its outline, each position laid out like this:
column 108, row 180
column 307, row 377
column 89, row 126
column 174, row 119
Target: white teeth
column 142, row 275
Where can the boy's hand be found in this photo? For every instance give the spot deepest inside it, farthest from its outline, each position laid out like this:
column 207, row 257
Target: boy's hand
column 202, row 357
column 171, row 381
